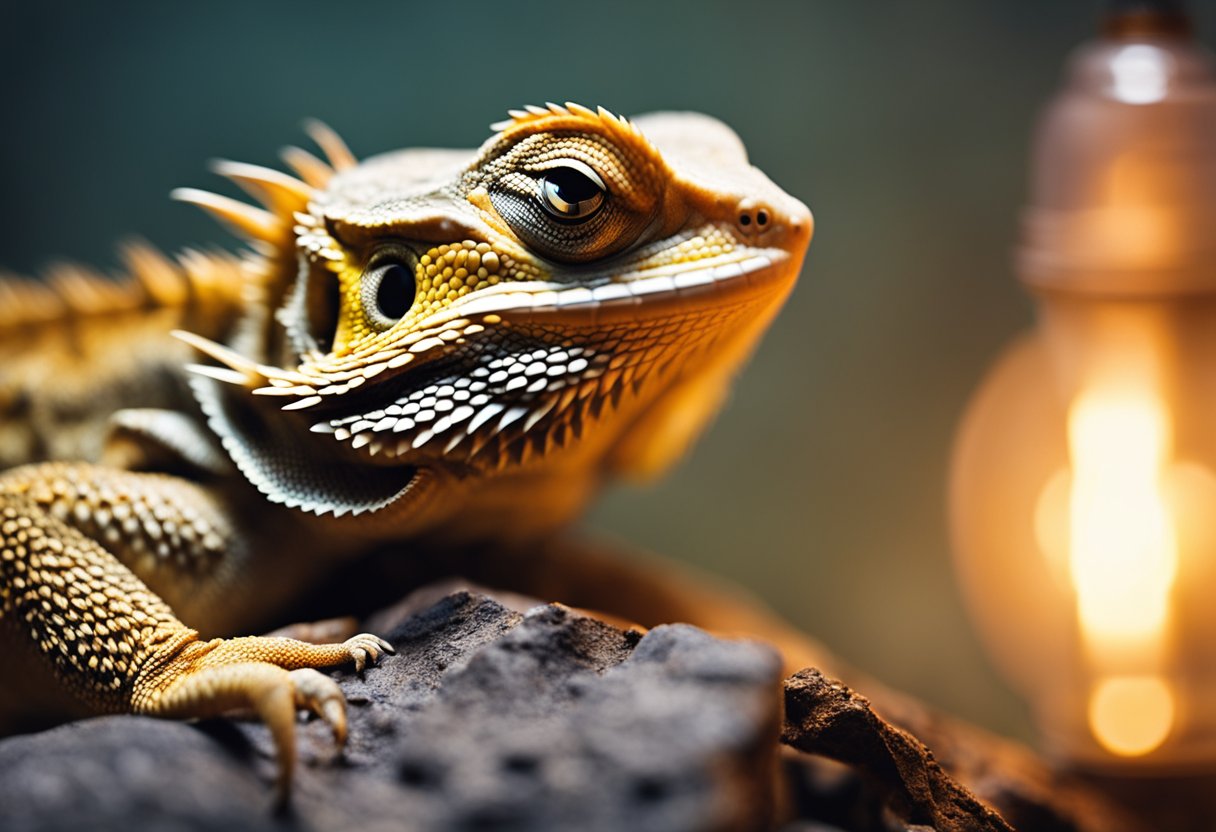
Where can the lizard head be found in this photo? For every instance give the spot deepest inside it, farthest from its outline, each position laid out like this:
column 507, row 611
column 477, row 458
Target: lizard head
column 576, row 293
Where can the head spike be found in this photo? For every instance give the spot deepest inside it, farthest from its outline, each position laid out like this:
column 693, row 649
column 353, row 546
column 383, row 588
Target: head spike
column 282, row 194
column 331, row 143
column 219, row 352
column 245, row 219
column 224, row 374
column 306, row 166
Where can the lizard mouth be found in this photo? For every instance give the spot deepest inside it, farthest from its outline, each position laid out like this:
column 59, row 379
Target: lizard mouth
column 557, row 358
column 637, row 295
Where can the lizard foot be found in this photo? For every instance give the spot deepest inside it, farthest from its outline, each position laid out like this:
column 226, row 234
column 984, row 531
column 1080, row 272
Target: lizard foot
column 325, row 631
column 273, row 677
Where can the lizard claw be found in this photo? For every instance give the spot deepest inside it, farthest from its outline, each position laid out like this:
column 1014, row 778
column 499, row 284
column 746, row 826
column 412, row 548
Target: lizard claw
column 320, row 694
column 365, row 647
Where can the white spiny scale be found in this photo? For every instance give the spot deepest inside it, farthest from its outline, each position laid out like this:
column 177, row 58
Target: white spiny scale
column 219, row 352
column 301, row 390
column 460, row 414
column 426, row 344
column 484, row 415
column 251, row 222
column 302, row 403
column 323, row 427
column 538, row 385
column 224, row 374
column 403, row 424
column 400, row 360
column 441, row 425
column 516, row 383
column 511, row 416
column 361, row 440
column 539, row 413
column 536, row 111
column 374, row 370
column 425, row 435
column 375, row 447
column 456, row 439
column 361, row 426
column 386, row 423
column 341, row 434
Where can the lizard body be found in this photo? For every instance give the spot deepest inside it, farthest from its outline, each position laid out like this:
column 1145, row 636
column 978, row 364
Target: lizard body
column 438, row 345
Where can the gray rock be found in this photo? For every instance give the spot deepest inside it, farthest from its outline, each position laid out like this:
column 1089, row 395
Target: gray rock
column 486, row 719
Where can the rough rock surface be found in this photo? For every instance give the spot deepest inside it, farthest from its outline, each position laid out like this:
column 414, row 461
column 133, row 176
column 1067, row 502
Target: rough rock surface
column 485, row 719
column 823, row 717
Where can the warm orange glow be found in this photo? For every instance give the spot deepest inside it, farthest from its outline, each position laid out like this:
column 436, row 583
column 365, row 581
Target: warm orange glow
column 1123, row 557
column 1131, row 715
column 1122, row 551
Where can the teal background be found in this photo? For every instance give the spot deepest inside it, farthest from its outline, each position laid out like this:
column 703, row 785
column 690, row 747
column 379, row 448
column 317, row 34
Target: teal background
column 903, row 125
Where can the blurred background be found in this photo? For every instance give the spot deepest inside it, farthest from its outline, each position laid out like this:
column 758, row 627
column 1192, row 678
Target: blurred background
column 905, row 127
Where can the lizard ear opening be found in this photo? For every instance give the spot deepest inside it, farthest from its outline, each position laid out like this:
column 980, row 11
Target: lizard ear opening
column 322, row 302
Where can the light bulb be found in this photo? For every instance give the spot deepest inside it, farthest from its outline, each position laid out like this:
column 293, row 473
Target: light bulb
column 1083, row 486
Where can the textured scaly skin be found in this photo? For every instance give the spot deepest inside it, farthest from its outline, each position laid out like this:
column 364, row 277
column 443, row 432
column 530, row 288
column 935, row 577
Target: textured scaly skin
column 438, row 345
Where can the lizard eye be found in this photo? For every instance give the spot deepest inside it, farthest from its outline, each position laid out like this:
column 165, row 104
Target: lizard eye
column 572, row 192
column 388, row 292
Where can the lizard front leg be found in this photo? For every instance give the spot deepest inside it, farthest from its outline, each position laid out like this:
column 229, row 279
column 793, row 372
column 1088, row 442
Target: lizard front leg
column 76, row 545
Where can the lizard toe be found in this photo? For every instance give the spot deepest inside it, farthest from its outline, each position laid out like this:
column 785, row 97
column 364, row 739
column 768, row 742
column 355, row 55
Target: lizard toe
column 321, row 695
column 366, row 647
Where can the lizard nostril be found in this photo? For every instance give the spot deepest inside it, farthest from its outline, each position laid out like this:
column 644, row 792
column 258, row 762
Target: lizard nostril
column 753, row 217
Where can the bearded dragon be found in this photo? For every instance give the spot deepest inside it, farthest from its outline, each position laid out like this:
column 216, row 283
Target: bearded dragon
column 432, row 345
